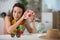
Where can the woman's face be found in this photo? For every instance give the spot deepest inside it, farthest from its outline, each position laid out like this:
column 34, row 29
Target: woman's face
column 17, row 12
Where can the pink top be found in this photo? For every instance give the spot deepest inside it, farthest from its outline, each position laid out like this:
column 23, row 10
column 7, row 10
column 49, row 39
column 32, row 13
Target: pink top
column 5, row 31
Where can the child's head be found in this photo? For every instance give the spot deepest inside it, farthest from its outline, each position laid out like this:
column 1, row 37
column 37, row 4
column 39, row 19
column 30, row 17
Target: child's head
column 18, row 10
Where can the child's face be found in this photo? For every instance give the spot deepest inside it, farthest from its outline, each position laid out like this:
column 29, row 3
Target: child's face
column 17, row 12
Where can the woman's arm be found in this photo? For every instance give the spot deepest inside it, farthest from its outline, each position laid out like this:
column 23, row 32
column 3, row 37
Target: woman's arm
column 33, row 26
column 10, row 27
column 29, row 28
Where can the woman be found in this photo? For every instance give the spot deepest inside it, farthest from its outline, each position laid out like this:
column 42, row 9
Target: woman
column 19, row 14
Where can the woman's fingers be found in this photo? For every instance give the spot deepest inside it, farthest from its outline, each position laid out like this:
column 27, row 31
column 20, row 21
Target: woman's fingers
column 25, row 14
column 29, row 14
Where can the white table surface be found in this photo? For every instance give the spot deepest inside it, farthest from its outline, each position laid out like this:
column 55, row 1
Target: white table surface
column 23, row 37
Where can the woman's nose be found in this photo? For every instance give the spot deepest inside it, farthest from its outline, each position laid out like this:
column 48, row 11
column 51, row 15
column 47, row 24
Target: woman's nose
column 16, row 14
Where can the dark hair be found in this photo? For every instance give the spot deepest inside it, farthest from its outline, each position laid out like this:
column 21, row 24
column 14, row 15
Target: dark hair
column 17, row 5
column 20, row 6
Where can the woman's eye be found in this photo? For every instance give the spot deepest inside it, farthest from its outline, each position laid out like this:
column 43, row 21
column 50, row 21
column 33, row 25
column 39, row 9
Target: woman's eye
column 19, row 12
column 14, row 11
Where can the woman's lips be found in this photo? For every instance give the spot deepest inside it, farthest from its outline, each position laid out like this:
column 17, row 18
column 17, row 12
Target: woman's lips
column 16, row 17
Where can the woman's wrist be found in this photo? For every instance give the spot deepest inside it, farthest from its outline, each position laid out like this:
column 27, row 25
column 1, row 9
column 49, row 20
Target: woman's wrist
column 22, row 17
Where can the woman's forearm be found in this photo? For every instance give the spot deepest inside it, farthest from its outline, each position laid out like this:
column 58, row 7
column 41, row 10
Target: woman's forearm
column 13, row 27
column 34, row 28
column 28, row 26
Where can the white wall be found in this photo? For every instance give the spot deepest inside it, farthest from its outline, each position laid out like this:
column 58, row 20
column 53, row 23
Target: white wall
column 57, row 5
column 5, row 6
column 52, row 4
column 1, row 25
column 47, row 20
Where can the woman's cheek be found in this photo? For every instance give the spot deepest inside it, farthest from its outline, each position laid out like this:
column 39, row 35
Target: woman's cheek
column 19, row 16
column 14, row 16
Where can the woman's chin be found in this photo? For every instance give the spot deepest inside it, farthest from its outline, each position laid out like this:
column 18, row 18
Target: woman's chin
column 16, row 19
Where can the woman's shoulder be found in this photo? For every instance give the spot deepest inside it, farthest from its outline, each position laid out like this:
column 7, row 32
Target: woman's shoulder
column 7, row 17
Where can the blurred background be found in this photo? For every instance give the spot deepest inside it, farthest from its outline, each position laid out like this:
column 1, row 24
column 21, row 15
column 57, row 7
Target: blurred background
column 47, row 12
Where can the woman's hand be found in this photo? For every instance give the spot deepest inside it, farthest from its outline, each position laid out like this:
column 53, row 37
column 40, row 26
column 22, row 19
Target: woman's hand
column 29, row 14
column 25, row 15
